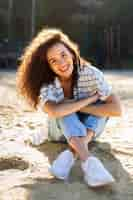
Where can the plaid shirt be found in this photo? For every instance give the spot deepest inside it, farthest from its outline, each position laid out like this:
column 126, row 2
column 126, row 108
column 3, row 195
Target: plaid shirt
column 90, row 80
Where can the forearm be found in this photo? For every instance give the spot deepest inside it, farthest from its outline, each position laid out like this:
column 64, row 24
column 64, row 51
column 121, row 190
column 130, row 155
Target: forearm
column 102, row 110
column 66, row 108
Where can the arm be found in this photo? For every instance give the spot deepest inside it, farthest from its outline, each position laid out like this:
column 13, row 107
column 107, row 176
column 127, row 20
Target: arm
column 64, row 108
column 111, row 107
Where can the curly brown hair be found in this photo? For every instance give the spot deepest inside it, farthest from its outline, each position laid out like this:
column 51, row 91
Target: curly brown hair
column 34, row 70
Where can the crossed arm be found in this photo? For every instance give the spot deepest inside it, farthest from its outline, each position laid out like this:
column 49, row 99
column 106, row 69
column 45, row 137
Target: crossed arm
column 111, row 107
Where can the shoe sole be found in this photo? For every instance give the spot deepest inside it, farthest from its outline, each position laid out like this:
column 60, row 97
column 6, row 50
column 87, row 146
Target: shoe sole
column 55, row 175
column 100, row 185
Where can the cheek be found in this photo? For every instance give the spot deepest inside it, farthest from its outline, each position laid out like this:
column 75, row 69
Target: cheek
column 52, row 67
column 55, row 69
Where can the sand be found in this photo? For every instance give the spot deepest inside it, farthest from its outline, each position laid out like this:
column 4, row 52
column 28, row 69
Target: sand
column 24, row 168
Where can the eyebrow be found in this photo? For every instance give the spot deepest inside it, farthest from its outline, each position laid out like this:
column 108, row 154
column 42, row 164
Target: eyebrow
column 53, row 58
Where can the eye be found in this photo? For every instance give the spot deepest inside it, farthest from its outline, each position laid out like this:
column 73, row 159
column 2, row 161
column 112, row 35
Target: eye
column 63, row 55
column 52, row 61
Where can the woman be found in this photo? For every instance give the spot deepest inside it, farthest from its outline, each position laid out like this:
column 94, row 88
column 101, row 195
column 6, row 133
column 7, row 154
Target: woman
column 53, row 76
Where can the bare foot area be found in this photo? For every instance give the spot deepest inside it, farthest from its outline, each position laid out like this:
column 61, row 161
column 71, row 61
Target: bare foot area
column 26, row 173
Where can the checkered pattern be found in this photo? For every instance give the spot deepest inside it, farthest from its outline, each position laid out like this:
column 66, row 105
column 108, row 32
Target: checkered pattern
column 90, row 81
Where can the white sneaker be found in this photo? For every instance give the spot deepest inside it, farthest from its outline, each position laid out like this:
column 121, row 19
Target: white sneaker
column 62, row 165
column 95, row 174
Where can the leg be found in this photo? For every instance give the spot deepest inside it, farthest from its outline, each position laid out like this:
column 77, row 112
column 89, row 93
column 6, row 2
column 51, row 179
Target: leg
column 73, row 130
column 89, row 137
column 95, row 174
column 94, row 127
column 94, row 124
column 62, row 165
column 79, row 146
column 71, row 126
column 86, row 139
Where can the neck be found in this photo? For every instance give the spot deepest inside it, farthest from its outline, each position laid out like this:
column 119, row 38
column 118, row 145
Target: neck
column 63, row 80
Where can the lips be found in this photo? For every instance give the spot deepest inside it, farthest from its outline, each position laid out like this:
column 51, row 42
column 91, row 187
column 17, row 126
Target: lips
column 65, row 68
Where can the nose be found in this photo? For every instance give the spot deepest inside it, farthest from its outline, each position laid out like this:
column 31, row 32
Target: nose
column 62, row 62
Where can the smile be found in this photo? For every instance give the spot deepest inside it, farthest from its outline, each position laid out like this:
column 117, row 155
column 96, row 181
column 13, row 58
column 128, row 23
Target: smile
column 65, row 68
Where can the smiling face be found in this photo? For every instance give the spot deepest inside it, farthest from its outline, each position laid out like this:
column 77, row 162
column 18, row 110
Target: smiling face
column 60, row 60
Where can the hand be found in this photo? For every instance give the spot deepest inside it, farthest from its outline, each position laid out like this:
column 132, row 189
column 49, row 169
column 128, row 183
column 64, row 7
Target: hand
column 94, row 98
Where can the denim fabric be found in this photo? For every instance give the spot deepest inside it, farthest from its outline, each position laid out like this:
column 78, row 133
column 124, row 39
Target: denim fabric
column 76, row 124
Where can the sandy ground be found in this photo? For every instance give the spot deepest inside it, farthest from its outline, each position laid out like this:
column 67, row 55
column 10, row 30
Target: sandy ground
column 24, row 168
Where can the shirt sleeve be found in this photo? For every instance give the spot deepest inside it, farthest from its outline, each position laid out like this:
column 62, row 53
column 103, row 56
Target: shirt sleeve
column 104, row 88
column 46, row 93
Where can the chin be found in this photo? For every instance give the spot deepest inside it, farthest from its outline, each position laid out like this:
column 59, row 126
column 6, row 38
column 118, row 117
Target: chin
column 67, row 75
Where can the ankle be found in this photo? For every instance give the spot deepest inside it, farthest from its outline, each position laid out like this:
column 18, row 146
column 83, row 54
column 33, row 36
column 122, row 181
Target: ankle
column 73, row 151
column 84, row 157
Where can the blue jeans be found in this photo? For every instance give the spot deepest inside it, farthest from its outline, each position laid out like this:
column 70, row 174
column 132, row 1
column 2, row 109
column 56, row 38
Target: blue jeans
column 76, row 124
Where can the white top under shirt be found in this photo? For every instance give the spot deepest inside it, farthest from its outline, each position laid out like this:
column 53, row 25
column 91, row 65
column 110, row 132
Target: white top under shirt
column 90, row 80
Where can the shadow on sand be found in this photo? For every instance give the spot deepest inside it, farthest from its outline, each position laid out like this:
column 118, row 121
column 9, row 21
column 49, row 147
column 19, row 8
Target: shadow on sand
column 76, row 189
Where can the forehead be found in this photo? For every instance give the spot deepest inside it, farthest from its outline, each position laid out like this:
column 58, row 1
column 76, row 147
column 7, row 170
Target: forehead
column 57, row 49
